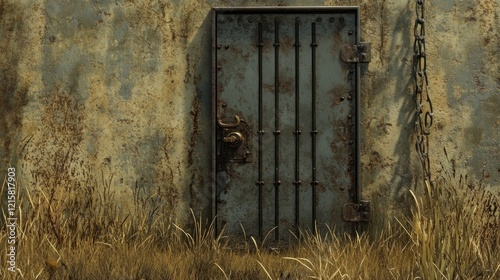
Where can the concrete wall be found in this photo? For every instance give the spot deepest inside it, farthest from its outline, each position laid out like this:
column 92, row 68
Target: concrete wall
column 120, row 90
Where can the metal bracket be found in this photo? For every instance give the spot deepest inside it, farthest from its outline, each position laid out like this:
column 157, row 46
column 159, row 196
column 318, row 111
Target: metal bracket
column 356, row 53
column 356, row 212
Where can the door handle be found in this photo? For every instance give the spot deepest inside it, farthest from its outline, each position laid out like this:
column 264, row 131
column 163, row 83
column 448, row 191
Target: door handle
column 233, row 146
column 220, row 122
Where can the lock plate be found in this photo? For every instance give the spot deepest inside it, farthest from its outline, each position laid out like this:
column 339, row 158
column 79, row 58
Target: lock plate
column 234, row 146
column 232, row 139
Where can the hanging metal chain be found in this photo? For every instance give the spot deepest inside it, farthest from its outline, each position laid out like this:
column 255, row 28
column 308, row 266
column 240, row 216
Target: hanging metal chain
column 424, row 112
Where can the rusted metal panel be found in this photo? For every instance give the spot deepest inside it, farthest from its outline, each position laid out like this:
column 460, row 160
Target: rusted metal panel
column 290, row 103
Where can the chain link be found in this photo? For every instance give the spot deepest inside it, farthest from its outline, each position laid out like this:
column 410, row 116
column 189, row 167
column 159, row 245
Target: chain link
column 424, row 114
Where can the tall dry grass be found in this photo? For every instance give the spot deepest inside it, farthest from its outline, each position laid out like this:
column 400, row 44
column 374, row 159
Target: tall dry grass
column 454, row 229
column 451, row 234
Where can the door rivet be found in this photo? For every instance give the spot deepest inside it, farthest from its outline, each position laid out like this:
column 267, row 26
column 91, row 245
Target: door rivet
column 342, row 98
column 226, row 47
column 332, row 19
column 350, row 32
column 319, row 19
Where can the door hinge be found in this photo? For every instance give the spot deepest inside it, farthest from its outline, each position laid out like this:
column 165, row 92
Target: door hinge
column 356, row 212
column 356, row 53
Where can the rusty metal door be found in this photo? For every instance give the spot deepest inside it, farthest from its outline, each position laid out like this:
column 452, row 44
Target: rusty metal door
column 285, row 119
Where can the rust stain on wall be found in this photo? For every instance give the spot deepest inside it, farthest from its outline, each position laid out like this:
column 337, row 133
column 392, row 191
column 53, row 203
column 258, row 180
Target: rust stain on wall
column 55, row 151
column 13, row 93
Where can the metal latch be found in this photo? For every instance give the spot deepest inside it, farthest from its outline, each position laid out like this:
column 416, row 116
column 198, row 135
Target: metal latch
column 356, row 212
column 356, row 53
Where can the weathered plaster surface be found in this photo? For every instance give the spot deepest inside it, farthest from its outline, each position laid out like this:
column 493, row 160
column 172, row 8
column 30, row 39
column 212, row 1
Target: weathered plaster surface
column 121, row 90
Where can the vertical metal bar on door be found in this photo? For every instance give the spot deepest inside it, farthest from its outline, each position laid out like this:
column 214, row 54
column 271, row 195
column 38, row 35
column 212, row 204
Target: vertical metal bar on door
column 357, row 166
column 277, row 131
column 260, row 183
column 297, row 124
column 314, row 130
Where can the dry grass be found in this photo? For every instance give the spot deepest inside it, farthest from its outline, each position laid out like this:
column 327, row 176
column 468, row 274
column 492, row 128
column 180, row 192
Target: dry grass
column 454, row 230
column 452, row 234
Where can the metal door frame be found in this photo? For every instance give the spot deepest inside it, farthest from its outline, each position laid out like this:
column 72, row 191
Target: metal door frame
column 282, row 10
